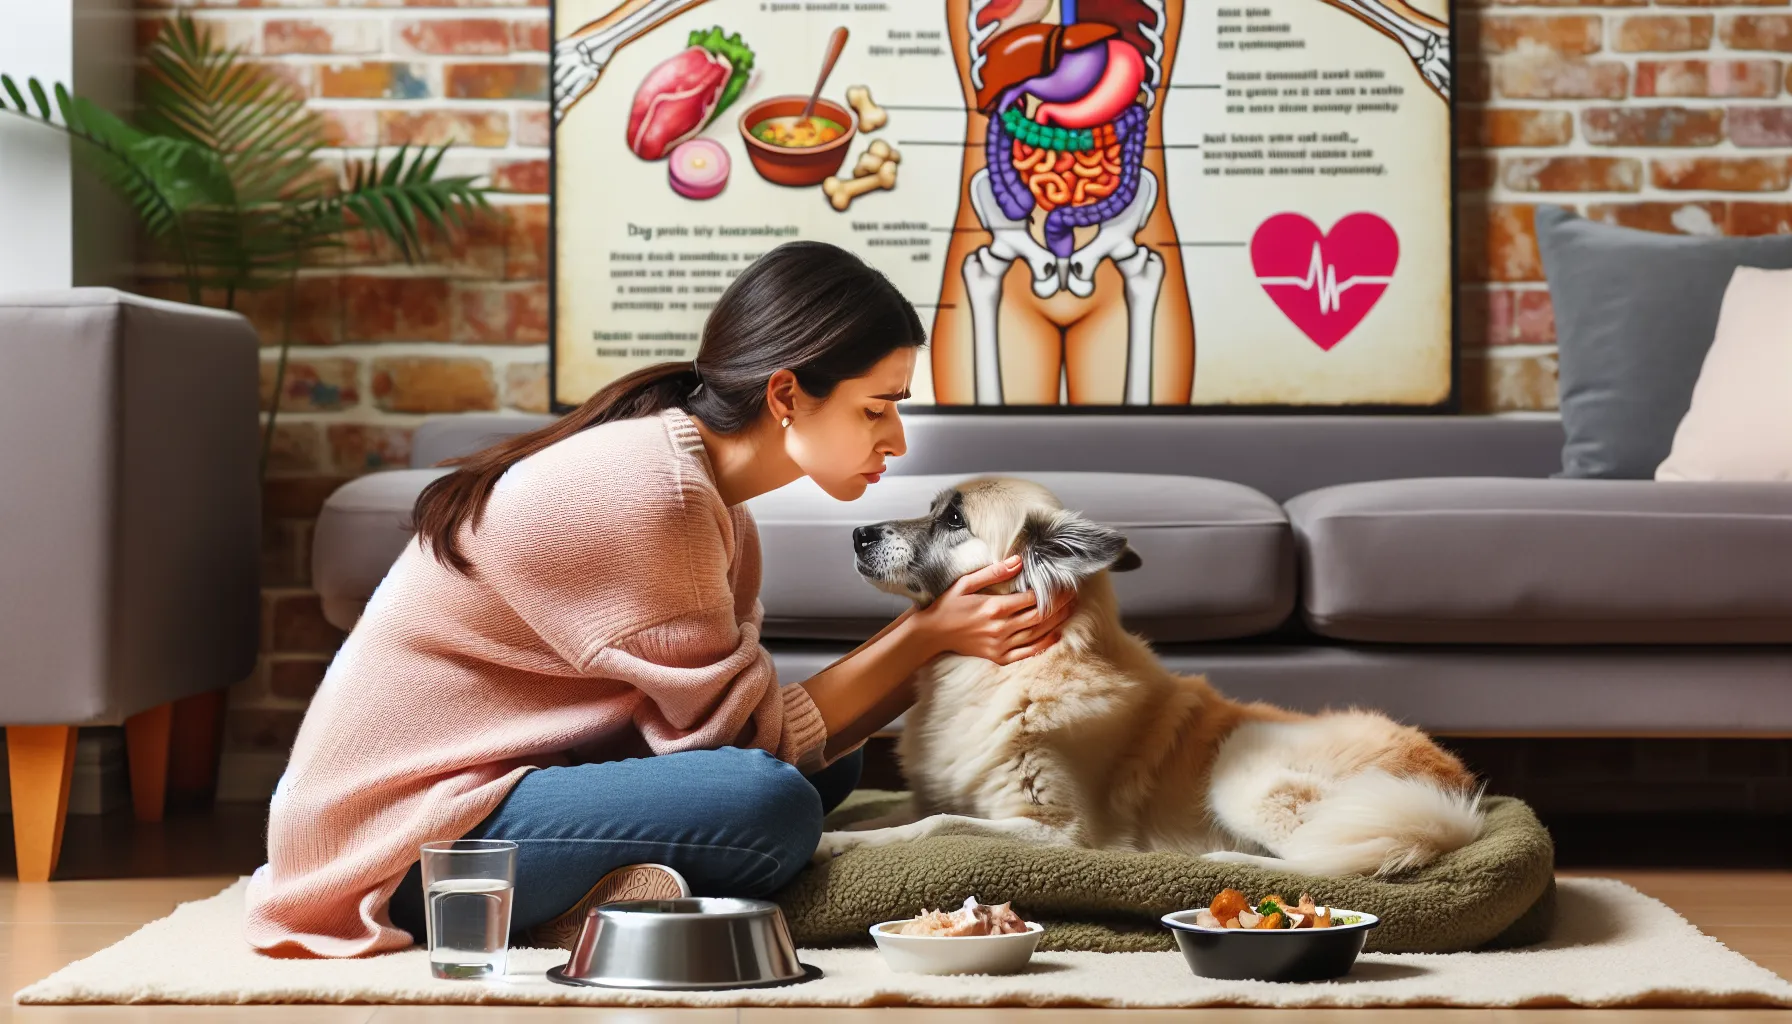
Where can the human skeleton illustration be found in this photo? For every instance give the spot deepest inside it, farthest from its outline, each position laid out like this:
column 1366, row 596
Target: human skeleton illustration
column 1048, row 288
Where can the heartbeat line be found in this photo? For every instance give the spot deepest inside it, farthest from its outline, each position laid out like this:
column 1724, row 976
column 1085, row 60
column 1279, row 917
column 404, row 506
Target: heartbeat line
column 1325, row 278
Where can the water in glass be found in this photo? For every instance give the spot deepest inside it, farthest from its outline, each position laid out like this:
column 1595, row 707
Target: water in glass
column 469, row 924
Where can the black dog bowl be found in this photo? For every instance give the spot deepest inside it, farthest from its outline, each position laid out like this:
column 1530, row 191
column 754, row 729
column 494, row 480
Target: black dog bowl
column 1284, row 954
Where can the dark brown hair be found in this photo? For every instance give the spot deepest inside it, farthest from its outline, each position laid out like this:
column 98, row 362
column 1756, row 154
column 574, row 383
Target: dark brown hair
column 808, row 307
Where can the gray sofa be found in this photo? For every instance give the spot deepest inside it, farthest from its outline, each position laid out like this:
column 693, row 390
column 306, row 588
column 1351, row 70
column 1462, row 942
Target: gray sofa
column 1425, row 566
column 130, row 546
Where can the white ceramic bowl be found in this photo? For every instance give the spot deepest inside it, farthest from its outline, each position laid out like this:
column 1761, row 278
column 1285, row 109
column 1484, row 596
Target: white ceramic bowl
column 963, row 954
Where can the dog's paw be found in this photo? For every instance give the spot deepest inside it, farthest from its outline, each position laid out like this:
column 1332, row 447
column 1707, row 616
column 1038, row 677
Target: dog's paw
column 832, row 845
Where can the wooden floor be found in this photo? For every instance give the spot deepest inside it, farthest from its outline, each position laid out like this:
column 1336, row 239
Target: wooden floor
column 45, row 926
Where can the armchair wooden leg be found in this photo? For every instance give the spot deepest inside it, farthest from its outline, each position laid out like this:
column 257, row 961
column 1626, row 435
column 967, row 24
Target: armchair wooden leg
column 146, row 747
column 42, row 761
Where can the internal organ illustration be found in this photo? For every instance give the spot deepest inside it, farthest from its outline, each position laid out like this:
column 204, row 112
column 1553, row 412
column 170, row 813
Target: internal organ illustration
column 675, row 100
column 1064, row 186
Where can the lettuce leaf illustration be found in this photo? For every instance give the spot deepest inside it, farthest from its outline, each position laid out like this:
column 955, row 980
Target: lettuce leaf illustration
column 738, row 54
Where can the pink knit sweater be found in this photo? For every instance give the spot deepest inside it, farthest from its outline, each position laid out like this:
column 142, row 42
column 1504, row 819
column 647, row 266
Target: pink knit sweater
column 613, row 611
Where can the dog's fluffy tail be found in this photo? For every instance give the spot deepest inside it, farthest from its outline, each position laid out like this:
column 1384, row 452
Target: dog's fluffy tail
column 1374, row 823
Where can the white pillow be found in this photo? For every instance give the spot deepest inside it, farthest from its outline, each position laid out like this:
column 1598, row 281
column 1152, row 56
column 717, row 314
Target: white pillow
column 1740, row 424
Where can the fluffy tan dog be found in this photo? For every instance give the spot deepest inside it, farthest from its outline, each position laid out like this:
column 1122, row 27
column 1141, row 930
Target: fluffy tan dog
column 1094, row 743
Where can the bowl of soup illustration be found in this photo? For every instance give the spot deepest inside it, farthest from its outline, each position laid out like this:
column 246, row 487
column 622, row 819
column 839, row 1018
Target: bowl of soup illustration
column 786, row 150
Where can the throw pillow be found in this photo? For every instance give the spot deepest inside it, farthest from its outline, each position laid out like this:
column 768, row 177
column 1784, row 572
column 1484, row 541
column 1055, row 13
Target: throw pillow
column 1635, row 313
column 1740, row 423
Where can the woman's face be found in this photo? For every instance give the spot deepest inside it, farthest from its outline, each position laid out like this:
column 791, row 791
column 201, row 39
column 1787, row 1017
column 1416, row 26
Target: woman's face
column 842, row 442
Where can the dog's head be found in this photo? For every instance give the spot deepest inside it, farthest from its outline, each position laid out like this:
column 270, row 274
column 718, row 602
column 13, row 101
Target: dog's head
column 979, row 523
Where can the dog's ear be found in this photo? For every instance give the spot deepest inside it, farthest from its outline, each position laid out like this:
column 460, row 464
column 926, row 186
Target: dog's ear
column 1129, row 560
column 1061, row 549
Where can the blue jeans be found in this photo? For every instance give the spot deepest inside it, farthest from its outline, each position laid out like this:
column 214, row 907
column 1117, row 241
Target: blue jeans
column 733, row 822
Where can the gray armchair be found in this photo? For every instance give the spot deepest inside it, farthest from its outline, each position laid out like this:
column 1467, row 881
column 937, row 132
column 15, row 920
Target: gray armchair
column 129, row 534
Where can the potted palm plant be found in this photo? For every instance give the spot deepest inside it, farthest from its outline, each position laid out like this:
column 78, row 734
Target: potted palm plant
column 220, row 163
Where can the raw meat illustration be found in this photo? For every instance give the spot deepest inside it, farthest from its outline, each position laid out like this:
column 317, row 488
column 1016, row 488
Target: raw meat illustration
column 1325, row 282
column 685, row 92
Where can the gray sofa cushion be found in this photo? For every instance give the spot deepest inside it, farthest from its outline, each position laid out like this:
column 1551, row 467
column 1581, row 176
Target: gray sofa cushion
column 1635, row 313
column 1547, row 561
column 1219, row 560
column 1218, row 557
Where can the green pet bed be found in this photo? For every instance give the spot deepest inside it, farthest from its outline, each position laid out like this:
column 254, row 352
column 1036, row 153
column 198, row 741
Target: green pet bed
column 1496, row 892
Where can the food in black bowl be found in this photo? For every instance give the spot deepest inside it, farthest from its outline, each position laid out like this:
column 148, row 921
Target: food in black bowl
column 1273, row 940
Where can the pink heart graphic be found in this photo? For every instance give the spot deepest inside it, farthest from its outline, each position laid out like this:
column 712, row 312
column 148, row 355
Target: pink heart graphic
column 1325, row 282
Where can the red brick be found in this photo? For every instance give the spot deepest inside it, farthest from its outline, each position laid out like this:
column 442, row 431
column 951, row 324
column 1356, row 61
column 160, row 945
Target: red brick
column 501, row 314
column 1515, row 127
column 300, row 78
column 433, row 384
column 485, row 128
column 476, row 248
column 526, row 386
column 312, row 385
column 1721, row 174
column 1652, row 32
column 1551, row 78
column 530, row 35
column 296, row 678
column 297, row 449
column 297, row 497
column 364, row 448
column 478, row 36
column 1757, row 32
column 316, row 312
column 1474, row 83
column 350, row 126
column 1761, row 126
column 395, row 308
column 497, row 81
column 375, row 79
column 321, row 35
column 1573, row 35
column 1572, row 174
column 262, row 730
column 524, row 176
column 1497, row 242
column 1521, row 317
column 1759, row 219
column 1508, row 383
column 532, row 128
column 285, row 553
column 1475, row 172
column 1697, row 218
column 527, row 245
column 300, row 626
column 1652, row 126
column 1751, row 78
column 231, row 32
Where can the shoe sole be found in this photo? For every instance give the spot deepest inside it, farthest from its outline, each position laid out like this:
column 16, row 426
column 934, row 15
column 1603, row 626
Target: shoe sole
column 631, row 882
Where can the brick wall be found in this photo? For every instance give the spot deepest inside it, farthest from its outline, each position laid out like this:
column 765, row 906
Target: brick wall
column 1670, row 117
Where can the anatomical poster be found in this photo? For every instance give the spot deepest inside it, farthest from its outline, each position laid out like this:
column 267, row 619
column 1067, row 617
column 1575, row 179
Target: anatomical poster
column 1098, row 203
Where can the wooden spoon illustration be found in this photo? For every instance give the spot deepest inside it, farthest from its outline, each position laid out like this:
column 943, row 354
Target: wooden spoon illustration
column 836, row 43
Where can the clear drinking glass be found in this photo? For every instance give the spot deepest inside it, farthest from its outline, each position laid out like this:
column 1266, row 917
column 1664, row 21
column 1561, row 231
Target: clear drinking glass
column 467, row 885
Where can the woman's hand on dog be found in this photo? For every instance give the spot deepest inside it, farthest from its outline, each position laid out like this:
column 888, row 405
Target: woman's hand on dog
column 1003, row 628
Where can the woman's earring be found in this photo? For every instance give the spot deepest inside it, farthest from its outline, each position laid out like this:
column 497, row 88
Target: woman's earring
column 785, row 422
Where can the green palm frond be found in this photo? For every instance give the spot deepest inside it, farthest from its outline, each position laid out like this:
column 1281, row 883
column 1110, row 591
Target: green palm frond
column 397, row 199
column 254, row 120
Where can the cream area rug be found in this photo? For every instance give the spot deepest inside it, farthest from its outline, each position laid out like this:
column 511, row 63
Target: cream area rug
column 1613, row 946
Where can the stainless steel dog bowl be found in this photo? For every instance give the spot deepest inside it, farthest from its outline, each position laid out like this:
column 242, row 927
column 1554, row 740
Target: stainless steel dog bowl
column 695, row 943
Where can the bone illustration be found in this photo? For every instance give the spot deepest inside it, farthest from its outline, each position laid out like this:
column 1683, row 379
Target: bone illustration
column 841, row 192
column 871, row 116
column 580, row 58
column 1425, row 39
column 874, row 157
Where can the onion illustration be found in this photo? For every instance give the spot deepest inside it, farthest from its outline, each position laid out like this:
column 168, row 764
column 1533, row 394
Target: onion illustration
column 698, row 169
